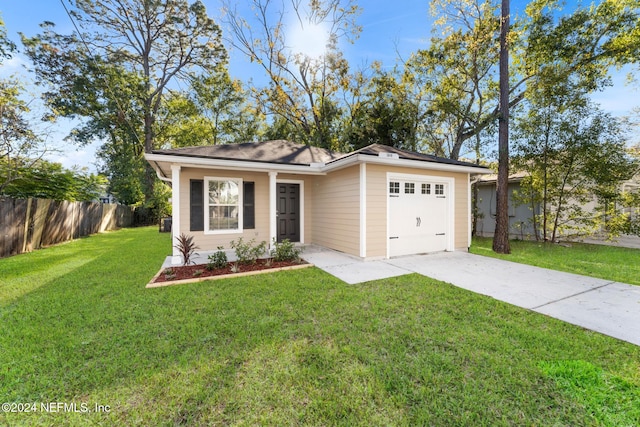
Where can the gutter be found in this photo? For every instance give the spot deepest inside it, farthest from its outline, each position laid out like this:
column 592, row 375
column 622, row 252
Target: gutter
column 366, row 158
column 159, row 174
column 312, row 169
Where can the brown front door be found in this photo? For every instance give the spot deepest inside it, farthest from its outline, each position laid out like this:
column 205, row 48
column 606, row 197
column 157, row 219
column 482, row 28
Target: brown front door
column 288, row 212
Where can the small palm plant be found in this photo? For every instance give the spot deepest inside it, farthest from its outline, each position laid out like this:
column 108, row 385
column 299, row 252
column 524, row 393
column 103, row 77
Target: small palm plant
column 187, row 248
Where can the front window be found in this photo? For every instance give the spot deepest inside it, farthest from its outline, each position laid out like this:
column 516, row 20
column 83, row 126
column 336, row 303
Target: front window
column 224, row 205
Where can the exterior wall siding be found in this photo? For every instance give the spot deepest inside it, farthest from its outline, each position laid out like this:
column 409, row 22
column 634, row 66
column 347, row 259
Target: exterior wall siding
column 335, row 210
column 331, row 207
column 209, row 242
column 377, row 206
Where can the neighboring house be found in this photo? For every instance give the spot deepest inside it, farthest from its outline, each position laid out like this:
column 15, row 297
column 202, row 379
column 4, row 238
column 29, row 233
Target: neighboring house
column 520, row 223
column 376, row 202
column 521, row 215
column 107, row 198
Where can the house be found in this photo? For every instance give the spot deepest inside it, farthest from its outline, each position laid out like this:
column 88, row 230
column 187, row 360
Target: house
column 521, row 214
column 376, row 202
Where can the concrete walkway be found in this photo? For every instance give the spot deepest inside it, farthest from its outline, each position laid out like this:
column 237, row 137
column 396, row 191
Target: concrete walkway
column 600, row 305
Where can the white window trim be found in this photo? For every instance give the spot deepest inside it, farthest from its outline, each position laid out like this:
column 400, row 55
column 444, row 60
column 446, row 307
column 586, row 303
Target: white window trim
column 239, row 183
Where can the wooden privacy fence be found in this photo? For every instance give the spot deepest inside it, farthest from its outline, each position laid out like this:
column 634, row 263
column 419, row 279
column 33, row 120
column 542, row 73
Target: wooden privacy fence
column 28, row 224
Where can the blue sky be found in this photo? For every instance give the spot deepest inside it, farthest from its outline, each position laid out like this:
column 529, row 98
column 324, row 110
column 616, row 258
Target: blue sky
column 388, row 27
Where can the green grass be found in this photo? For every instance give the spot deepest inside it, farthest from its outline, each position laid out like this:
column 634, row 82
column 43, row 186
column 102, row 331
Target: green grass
column 605, row 262
column 290, row 348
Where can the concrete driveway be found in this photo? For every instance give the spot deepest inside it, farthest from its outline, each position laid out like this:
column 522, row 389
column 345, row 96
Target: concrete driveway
column 600, row 305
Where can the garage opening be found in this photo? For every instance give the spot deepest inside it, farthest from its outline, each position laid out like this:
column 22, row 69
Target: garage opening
column 418, row 215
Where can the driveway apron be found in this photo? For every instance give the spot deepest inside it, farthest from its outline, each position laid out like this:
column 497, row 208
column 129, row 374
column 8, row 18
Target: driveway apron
column 600, row 305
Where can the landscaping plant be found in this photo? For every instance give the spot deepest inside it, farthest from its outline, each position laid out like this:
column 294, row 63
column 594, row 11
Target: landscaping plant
column 285, row 251
column 217, row 260
column 248, row 252
column 187, row 248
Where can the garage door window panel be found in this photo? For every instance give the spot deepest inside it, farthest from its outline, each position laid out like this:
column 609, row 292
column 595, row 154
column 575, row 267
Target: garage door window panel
column 409, row 188
column 394, row 187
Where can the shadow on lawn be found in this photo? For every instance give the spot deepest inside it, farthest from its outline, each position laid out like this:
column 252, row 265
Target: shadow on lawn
column 286, row 345
column 96, row 328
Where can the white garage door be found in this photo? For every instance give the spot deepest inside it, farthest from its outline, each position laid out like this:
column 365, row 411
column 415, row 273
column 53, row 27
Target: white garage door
column 418, row 216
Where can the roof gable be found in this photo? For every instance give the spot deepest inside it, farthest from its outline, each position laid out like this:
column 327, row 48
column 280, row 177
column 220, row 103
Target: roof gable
column 377, row 149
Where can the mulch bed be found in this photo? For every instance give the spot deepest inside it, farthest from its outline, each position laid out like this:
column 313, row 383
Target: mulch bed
column 200, row 270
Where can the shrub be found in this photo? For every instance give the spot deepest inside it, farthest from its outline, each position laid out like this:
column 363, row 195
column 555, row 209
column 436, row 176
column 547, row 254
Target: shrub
column 285, row 251
column 248, row 252
column 218, row 259
column 169, row 274
column 187, row 248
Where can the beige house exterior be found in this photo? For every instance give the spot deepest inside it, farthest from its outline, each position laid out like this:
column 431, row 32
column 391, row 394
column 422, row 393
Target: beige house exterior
column 374, row 203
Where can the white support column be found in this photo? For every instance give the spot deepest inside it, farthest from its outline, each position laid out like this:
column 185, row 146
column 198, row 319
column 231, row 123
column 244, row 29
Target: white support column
column 469, row 210
column 273, row 220
column 176, row 259
column 363, row 210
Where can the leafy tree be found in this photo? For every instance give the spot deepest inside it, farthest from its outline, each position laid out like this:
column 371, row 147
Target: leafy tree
column 547, row 47
column 47, row 180
column 19, row 144
column 7, row 47
column 575, row 158
column 159, row 40
column 385, row 113
column 20, row 140
column 214, row 111
column 153, row 43
column 223, row 101
column 303, row 91
column 456, row 74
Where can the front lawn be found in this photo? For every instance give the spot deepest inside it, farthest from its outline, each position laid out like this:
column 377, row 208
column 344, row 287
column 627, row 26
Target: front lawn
column 605, row 262
column 77, row 327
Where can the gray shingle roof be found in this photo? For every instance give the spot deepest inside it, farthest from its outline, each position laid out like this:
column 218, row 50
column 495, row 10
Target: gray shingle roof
column 277, row 151
column 376, row 149
column 289, row 153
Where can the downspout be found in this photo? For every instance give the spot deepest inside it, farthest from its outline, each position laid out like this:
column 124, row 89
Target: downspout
column 161, row 177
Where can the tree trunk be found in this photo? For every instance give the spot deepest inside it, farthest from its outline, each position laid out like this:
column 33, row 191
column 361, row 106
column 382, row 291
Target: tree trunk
column 501, row 236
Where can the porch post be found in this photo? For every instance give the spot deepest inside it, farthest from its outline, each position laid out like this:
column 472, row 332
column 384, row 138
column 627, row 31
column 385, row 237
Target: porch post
column 273, row 219
column 176, row 259
column 363, row 210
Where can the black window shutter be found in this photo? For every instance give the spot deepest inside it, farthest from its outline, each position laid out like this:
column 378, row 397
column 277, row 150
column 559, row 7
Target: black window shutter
column 248, row 205
column 196, row 205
